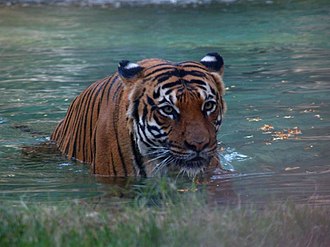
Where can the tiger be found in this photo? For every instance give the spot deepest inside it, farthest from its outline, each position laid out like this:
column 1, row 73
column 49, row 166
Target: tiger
column 148, row 118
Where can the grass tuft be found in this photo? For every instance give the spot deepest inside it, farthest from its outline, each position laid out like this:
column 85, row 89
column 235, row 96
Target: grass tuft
column 162, row 217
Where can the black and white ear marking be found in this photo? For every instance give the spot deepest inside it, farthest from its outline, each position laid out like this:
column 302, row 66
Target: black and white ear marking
column 213, row 61
column 128, row 70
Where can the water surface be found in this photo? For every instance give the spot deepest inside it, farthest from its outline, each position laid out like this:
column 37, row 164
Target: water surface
column 276, row 133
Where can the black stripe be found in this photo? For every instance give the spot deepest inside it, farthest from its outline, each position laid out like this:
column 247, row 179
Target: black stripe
column 182, row 73
column 136, row 102
column 214, row 92
column 199, row 82
column 157, row 65
column 91, row 101
column 158, row 70
column 158, row 121
column 174, row 145
column 115, row 124
column 150, row 128
column 172, row 84
column 138, row 157
column 197, row 73
column 170, row 90
column 168, row 74
column 164, row 100
column 198, row 86
column 103, row 92
column 193, row 64
column 156, row 94
column 116, row 93
column 135, row 112
column 171, row 99
column 150, row 101
column 163, row 77
column 145, row 113
column 77, row 121
column 92, row 112
column 179, row 152
column 148, row 142
column 221, row 106
column 94, row 150
column 218, row 122
column 113, row 82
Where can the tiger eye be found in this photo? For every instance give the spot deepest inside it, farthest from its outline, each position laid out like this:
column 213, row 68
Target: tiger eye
column 168, row 109
column 208, row 106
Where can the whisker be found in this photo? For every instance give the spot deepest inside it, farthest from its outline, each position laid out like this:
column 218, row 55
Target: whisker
column 180, row 173
column 159, row 151
column 159, row 154
column 222, row 135
column 162, row 164
column 151, row 160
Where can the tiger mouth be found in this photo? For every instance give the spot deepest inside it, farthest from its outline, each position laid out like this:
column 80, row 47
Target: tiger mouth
column 195, row 163
column 190, row 164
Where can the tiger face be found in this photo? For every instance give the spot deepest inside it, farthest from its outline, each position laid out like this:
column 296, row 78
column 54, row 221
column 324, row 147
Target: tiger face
column 175, row 112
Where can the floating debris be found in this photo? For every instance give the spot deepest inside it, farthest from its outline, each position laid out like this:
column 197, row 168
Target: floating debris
column 286, row 134
column 308, row 110
column 267, row 128
column 318, row 116
column 291, row 168
column 254, row 119
column 279, row 134
column 294, row 131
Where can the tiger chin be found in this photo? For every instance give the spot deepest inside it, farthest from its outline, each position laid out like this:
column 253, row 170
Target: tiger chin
column 147, row 118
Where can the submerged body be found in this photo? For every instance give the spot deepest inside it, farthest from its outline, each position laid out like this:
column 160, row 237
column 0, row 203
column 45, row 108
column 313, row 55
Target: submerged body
column 147, row 117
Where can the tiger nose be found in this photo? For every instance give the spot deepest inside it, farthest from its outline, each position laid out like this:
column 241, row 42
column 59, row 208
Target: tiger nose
column 197, row 145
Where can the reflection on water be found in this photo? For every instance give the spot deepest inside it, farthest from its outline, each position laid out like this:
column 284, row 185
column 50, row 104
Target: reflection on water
column 276, row 133
column 254, row 188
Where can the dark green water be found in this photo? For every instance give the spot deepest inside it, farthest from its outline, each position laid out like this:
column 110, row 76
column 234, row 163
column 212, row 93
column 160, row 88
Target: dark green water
column 277, row 73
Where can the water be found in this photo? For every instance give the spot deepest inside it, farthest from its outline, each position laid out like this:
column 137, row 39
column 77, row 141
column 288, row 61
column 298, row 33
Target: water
column 276, row 133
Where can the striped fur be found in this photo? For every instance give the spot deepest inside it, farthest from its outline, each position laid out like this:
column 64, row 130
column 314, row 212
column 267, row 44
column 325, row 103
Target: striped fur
column 162, row 116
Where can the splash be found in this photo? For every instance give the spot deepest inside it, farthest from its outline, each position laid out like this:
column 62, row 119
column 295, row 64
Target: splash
column 230, row 155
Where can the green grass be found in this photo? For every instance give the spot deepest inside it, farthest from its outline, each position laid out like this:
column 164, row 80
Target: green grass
column 164, row 219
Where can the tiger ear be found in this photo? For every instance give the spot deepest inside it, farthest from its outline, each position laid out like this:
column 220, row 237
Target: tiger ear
column 214, row 62
column 129, row 71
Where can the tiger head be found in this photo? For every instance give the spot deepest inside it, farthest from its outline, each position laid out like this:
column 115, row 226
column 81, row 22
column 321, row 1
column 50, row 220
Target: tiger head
column 175, row 111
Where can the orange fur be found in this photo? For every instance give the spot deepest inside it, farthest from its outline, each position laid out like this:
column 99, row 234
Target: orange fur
column 98, row 127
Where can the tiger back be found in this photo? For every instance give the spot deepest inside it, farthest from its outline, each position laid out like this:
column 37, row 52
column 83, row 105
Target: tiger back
column 146, row 118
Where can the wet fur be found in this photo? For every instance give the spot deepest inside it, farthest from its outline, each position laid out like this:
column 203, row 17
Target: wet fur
column 101, row 123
